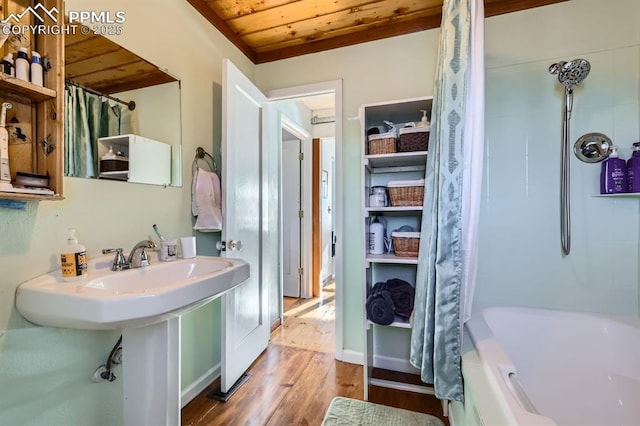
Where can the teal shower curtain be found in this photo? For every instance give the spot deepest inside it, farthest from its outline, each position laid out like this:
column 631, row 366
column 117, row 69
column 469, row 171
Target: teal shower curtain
column 447, row 256
column 87, row 118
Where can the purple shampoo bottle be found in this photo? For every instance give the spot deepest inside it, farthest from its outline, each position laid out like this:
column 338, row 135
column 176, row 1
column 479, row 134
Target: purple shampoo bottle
column 613, row 175
column 633, row 169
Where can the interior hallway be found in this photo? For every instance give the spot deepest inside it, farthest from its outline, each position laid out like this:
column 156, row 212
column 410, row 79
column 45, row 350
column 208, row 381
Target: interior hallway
column 295, row 379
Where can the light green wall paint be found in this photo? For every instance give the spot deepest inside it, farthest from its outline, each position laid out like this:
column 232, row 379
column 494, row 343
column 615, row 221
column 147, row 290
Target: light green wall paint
column 200, row 337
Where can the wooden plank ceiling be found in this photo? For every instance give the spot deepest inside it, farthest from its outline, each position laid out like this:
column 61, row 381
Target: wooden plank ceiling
column 269, row 30
column 102, row 65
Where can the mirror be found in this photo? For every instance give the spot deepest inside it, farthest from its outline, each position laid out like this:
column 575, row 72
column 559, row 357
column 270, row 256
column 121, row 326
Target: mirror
column 135, row 128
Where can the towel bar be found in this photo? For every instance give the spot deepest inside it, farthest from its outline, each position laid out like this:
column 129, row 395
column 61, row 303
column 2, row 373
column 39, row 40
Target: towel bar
column 201, row 154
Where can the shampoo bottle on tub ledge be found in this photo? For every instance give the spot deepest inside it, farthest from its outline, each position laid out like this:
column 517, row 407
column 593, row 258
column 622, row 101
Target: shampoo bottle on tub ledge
column 613, row 174
column 633, row 169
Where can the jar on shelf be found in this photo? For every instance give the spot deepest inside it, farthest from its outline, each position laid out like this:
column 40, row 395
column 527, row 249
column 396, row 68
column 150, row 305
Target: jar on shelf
column 378, row 196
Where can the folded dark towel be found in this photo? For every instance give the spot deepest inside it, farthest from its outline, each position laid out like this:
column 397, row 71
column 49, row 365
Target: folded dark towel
column 379, row 305
column 402, row 295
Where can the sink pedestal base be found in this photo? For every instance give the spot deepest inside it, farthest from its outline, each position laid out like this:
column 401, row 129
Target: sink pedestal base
column 151, row 374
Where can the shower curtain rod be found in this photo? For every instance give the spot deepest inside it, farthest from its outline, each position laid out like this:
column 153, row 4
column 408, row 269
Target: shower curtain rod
column 131, row 104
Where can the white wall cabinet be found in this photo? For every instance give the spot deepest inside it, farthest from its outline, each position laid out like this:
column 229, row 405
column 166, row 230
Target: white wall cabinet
column 387, row 347
column 149, row 161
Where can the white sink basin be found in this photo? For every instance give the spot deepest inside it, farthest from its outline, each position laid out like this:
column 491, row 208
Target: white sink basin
column 130, row 298
column 146, row 304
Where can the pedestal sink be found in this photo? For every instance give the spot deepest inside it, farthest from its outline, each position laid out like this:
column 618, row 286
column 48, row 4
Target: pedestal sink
column 145, row 303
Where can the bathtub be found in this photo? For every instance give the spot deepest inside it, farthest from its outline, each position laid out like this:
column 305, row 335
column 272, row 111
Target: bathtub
column 525, row 366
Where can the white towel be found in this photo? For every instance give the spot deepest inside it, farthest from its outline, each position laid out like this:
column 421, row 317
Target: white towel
column 206, row 202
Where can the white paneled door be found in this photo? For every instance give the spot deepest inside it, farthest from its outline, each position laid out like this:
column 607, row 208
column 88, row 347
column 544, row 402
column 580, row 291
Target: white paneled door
column 245, row 328
column 291, row 207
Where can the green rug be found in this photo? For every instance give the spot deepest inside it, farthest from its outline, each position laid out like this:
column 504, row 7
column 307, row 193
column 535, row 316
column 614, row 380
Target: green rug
column 347, row 411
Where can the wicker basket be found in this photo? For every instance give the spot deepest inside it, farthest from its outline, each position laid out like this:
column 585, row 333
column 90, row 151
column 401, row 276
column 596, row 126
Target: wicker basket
column 406, row 193
column 413, row 139
column 406, row 244
column 113, row 165
column 383, row 143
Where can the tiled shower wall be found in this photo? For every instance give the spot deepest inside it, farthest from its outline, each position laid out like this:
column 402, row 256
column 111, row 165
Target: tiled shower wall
column 520, row 255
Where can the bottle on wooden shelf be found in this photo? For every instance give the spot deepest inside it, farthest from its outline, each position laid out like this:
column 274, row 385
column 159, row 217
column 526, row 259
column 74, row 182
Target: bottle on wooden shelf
column 22, row 64
column 37, row 75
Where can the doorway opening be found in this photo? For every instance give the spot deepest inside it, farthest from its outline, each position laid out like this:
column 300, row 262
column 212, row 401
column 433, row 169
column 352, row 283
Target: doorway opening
column 309, row 228
column 308, row 316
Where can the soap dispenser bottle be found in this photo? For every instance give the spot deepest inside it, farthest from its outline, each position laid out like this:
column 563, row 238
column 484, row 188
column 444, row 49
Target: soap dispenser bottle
column 73, row 260
column 424, row 121
column 633, row 169
column 613, row 174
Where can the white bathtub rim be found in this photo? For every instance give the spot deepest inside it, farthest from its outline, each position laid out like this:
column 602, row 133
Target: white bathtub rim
column 494, row 361
column 501, row 403
column 492, row 402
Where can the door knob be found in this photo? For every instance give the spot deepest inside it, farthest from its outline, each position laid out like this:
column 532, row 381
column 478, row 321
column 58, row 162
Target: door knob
column 235, row 245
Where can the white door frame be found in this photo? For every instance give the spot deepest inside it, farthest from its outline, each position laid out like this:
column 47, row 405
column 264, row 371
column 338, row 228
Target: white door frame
column 292, row 93
column 298, row 132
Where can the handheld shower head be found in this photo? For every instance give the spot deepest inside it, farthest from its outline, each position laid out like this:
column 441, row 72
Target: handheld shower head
column 572, row 72
column 569, row 74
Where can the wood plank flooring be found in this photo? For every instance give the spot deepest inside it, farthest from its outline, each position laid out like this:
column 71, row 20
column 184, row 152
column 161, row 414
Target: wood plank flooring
column 296, row 377
column 308, row 323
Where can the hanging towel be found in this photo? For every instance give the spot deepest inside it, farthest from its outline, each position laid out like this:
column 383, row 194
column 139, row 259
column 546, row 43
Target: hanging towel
column 206, row 202
column 402, row 295
column 379, row 305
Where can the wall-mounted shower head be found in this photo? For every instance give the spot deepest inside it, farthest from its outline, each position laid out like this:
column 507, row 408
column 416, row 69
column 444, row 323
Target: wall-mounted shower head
column 572, row 72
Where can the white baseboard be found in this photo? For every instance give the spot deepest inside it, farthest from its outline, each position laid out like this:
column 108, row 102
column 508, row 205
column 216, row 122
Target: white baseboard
column 199, row 385
column 384, row 362
column 352, row 357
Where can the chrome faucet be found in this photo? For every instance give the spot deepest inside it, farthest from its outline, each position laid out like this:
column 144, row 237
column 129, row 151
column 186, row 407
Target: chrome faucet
column 137, row 258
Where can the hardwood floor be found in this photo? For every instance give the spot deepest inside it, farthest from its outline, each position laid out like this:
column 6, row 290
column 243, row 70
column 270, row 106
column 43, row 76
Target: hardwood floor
column 308, row 323
column 295, row 379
